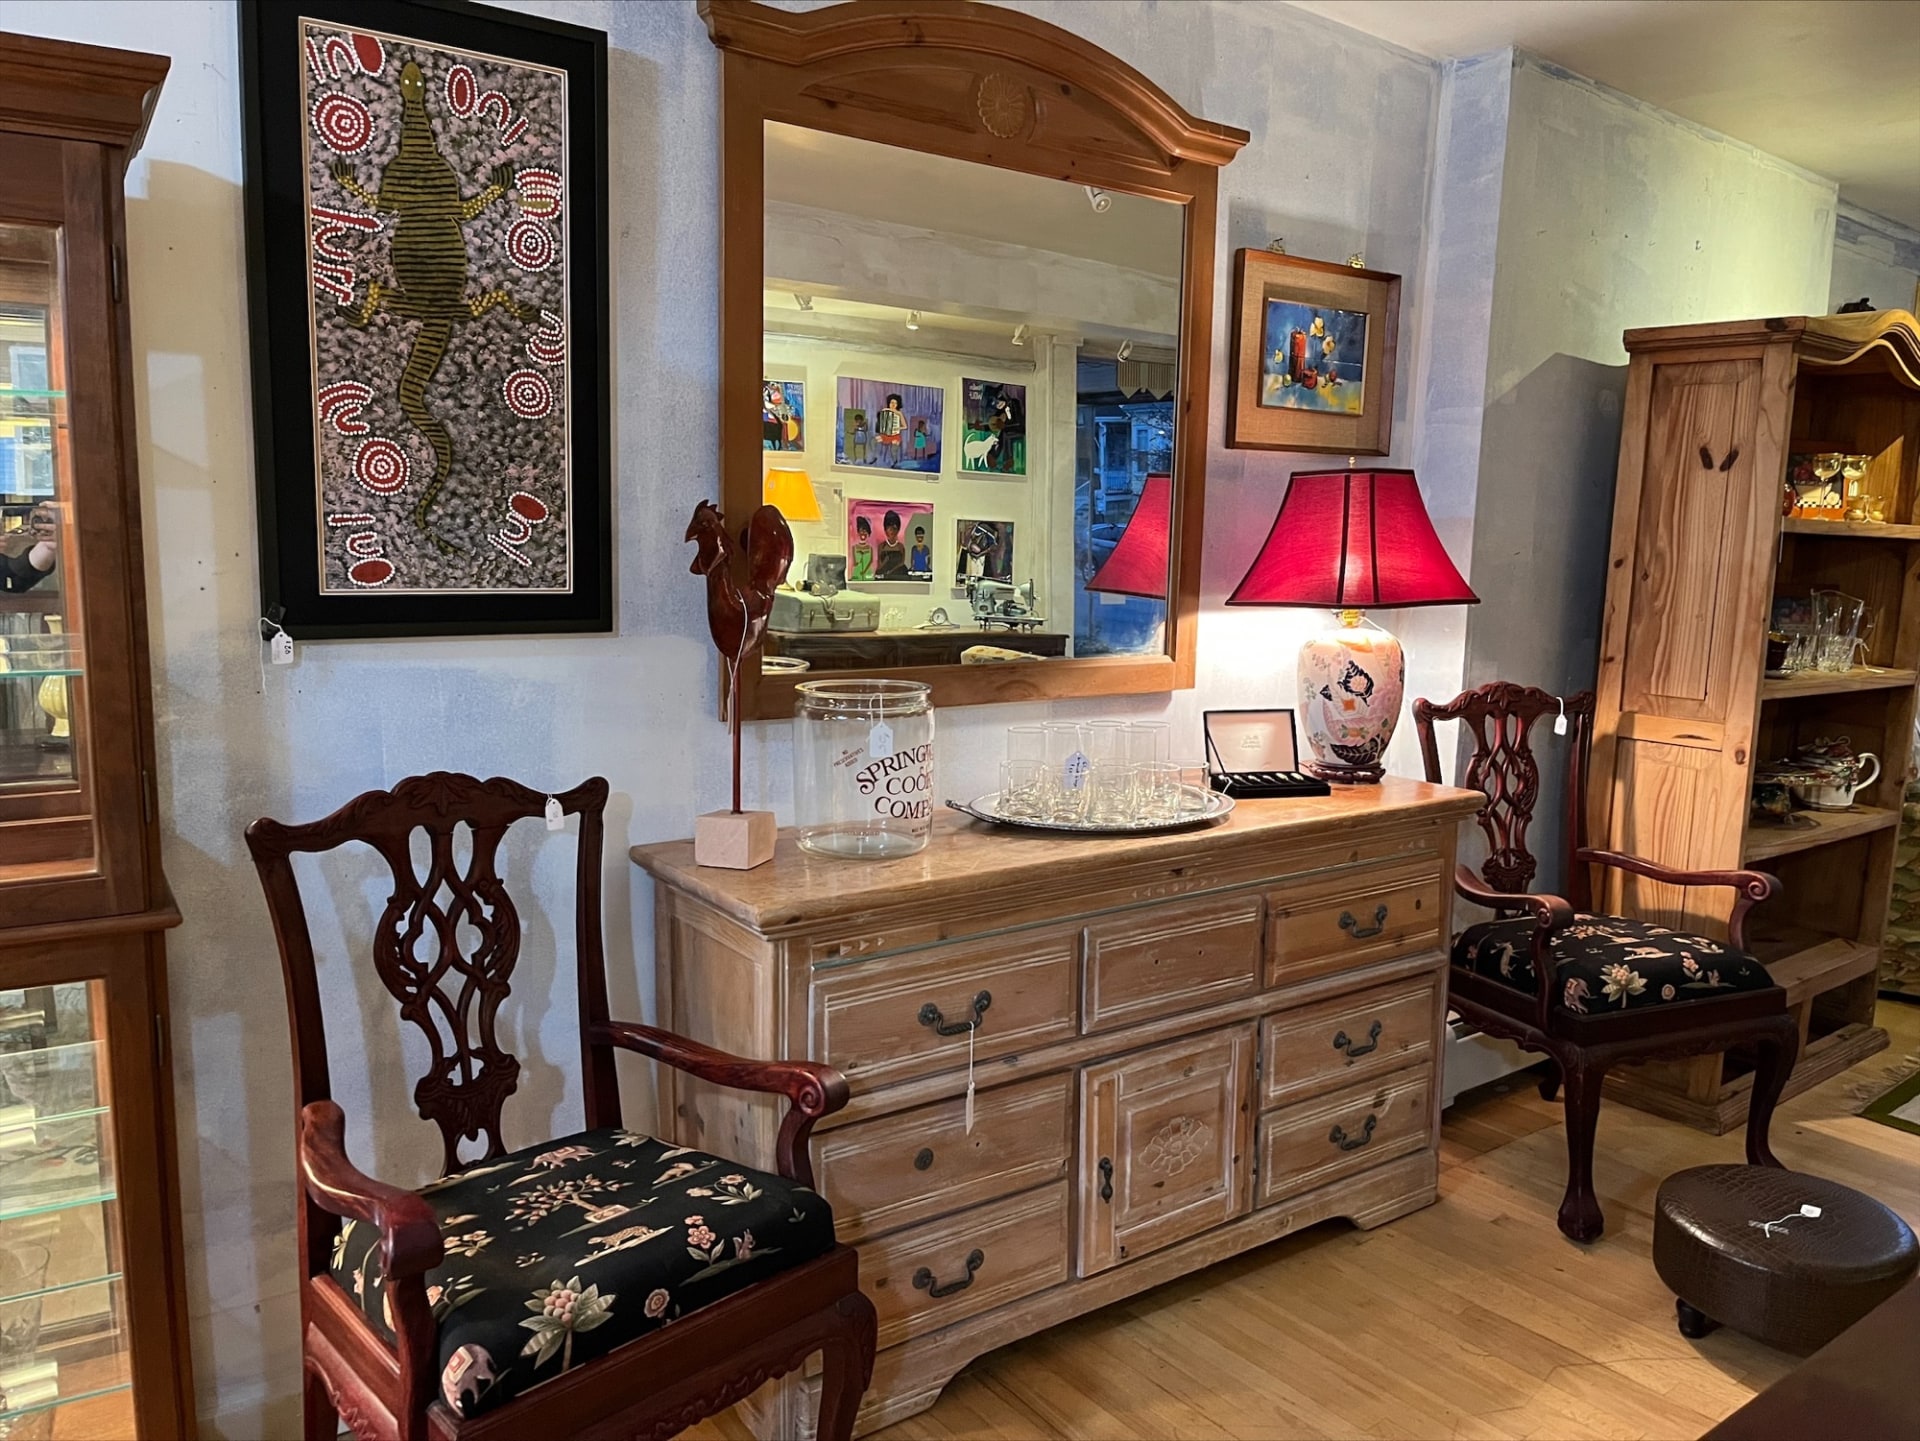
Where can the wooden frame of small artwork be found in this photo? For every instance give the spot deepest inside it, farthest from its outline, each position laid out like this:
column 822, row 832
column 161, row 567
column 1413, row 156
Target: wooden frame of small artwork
column 1323, row 379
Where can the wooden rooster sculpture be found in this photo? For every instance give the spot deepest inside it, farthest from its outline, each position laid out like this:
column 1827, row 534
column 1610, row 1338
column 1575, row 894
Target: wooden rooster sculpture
column 738, row 610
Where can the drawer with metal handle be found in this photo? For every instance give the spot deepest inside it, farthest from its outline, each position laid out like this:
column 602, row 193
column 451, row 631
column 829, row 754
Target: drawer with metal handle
column 1321, row 927
column 898, row 1017
column 897, row 1170
column 1323, row 1139
column 947, row 1270
column 1342, row 1042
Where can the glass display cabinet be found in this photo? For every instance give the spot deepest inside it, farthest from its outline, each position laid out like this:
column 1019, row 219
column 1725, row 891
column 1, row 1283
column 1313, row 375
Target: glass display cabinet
column 92, row 1311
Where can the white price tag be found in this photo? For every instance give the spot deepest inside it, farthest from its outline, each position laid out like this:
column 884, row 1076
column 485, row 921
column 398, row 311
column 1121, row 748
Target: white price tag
column 880, row 741
column 1074, row 774
column 556, row 818
column 281, row 648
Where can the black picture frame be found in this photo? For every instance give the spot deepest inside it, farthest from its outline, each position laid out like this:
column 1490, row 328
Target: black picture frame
column 283, row 346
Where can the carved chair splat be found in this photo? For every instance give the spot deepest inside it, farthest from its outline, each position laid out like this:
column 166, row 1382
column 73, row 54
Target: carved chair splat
column 1555, row 942
column 445, row 946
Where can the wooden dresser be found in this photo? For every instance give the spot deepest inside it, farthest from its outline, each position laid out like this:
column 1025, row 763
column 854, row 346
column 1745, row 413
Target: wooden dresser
column 1182, row 1047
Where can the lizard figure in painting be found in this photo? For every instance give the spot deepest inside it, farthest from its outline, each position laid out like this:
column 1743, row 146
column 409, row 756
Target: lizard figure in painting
column 429, row 257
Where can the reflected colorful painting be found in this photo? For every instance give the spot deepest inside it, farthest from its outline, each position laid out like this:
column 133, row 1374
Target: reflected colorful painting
column 884, row 426
column 1313, row 357
column 783, row 415
column 889, row 540
column 994, row 421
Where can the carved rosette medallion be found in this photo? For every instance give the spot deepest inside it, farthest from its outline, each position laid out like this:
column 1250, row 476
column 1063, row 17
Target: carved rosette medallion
column 1005, row 105
column 1176, row 1145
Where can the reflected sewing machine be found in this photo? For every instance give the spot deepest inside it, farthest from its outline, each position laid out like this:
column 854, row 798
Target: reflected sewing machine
column 1002, row 603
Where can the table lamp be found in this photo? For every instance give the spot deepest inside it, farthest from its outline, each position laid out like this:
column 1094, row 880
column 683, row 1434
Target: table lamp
column 791, row 493
column 1345, row 541
column 1138, row 564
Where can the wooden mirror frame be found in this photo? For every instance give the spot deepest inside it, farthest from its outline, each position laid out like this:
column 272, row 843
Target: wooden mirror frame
column 973, row 82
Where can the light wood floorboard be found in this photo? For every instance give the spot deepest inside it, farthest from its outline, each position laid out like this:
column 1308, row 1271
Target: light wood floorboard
column 1473, row 1318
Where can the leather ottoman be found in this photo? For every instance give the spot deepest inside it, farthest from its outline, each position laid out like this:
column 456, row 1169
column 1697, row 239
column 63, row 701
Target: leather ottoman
column 1788, row 1259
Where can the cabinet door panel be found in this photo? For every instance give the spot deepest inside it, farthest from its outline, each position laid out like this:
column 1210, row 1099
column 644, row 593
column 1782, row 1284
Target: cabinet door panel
column 1165, row 1145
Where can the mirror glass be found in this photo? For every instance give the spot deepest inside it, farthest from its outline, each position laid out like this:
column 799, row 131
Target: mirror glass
column 968, row 408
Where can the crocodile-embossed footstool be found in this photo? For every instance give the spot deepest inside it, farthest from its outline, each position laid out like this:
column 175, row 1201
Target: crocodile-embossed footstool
column 1788, row 1259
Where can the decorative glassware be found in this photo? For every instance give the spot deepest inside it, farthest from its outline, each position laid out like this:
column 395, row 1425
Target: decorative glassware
column 1067, row 769
column 1194, row 785
column 1023, row 790
column 863, row 767
column 1110, row 792
column 1158, row 788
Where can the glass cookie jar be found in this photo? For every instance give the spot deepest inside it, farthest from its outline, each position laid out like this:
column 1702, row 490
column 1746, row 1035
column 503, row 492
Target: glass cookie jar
column 863, row 767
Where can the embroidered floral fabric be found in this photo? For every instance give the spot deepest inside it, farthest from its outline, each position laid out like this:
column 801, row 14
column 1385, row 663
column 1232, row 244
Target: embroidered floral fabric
column 1610, row 963
column 559, row 1253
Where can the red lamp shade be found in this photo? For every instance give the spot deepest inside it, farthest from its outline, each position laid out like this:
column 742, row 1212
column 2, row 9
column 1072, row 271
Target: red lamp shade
column 1138, row 565
column 1351, row 540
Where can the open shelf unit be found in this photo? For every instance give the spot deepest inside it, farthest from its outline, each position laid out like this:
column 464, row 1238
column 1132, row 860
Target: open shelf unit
column 1686, row 717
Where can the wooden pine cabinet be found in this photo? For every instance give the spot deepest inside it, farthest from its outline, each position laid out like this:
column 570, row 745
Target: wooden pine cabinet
column 1701, row 551
column 1180, row 1047
column 92, row 1302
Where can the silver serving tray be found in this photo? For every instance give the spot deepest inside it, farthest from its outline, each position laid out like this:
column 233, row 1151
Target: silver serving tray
column 987, row 808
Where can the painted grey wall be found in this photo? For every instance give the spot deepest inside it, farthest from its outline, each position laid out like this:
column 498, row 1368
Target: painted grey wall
column 1874, row 257
column 1336, row 165
column 1613, row 214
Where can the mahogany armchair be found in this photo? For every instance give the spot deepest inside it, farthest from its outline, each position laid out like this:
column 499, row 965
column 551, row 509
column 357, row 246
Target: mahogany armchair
column 1593, row 991
column 601, row 1284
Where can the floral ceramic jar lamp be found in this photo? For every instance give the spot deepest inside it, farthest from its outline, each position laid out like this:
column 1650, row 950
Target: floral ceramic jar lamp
column 1348, row 541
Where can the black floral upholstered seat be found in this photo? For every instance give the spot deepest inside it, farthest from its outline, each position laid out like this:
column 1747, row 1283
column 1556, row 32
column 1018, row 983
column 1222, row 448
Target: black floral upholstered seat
column 1610, row 963
column 558, row 1253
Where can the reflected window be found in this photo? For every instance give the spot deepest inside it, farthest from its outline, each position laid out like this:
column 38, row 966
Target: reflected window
column 1123, row 437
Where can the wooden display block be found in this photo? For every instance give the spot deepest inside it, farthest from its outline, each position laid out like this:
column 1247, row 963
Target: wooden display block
column 734, row 840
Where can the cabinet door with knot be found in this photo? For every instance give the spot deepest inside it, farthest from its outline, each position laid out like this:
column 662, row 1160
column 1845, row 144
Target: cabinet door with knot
column 1166, row 1145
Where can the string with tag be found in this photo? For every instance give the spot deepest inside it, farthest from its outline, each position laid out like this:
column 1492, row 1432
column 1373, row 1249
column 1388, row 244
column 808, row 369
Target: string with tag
column 1560, row 721
column 279, row 643
column 556, row 817
column 967, row 1112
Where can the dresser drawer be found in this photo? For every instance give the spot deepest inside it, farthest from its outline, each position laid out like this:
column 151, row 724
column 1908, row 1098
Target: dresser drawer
column 884, row 1174
column 1374, row 917
column 961, row 1265
column 1314, row 1142
column 883, row 1020
column 1347, row 1041
column 1171, row 958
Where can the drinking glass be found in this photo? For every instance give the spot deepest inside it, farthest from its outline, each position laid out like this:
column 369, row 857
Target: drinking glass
column 1110, row 792
column 1066, row 745
column 1106, row 740
column 1158, row 786
column 1193, row 796
column 1023, row 789
column 1147, row 741
column 1027, row 743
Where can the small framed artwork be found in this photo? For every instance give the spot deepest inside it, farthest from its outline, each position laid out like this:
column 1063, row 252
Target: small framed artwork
column 993, row 438
column 1314, row 349
column 426, row 206
column 889, row 540
column 783, row 415
column 884, row 425
column 984, row 549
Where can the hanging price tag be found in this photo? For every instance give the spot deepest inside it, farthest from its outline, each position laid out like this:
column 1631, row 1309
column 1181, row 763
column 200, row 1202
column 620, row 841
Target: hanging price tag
column 880, row 741
column 556, row 818
column 1560, row 721
column 281, row 648
column 1074, row 775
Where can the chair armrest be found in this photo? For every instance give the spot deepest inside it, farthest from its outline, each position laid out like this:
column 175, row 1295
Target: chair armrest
column 1550, row 913
column 1753, row 886
column 812, row 1090
column 410, row 1243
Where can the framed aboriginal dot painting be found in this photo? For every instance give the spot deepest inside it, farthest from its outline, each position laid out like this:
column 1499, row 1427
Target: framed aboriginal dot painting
column 427, row 263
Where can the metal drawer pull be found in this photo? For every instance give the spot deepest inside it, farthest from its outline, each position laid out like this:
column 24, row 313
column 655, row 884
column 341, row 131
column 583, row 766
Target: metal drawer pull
column 1360, row 932
column 923, row 1278
column 1106, row 1178
column 1340, row 1138
column 924, row 1159
column 1343, row 1042
column 930, row 1016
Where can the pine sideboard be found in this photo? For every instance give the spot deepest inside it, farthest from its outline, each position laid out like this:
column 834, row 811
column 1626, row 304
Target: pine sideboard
column 1181, row 1047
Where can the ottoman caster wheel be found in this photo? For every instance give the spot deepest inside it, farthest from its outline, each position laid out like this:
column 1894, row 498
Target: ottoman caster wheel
column 1694, row 1323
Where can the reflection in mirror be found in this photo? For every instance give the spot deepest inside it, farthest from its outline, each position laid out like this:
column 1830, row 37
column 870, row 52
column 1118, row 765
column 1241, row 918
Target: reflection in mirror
column 968, row 408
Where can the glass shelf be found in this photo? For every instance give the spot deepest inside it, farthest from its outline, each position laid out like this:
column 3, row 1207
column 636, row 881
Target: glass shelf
column 7, row 673
column 61, row 1288
column 93, row 1395
column 36, row 393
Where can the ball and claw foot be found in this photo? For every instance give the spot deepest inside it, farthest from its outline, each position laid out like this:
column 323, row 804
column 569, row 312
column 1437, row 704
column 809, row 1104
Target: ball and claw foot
column 1694, row 1323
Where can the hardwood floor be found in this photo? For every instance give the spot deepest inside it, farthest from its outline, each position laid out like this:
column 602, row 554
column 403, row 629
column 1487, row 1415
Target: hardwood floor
column 1472, row 1318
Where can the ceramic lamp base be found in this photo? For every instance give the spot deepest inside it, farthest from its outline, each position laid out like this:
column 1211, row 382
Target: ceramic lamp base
column 734, row 840
column 1353, row 677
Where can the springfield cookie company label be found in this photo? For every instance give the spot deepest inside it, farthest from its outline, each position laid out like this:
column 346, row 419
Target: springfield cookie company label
column 899, row 785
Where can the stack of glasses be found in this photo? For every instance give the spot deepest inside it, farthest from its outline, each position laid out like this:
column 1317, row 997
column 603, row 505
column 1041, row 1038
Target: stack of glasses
column 1098, row 774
